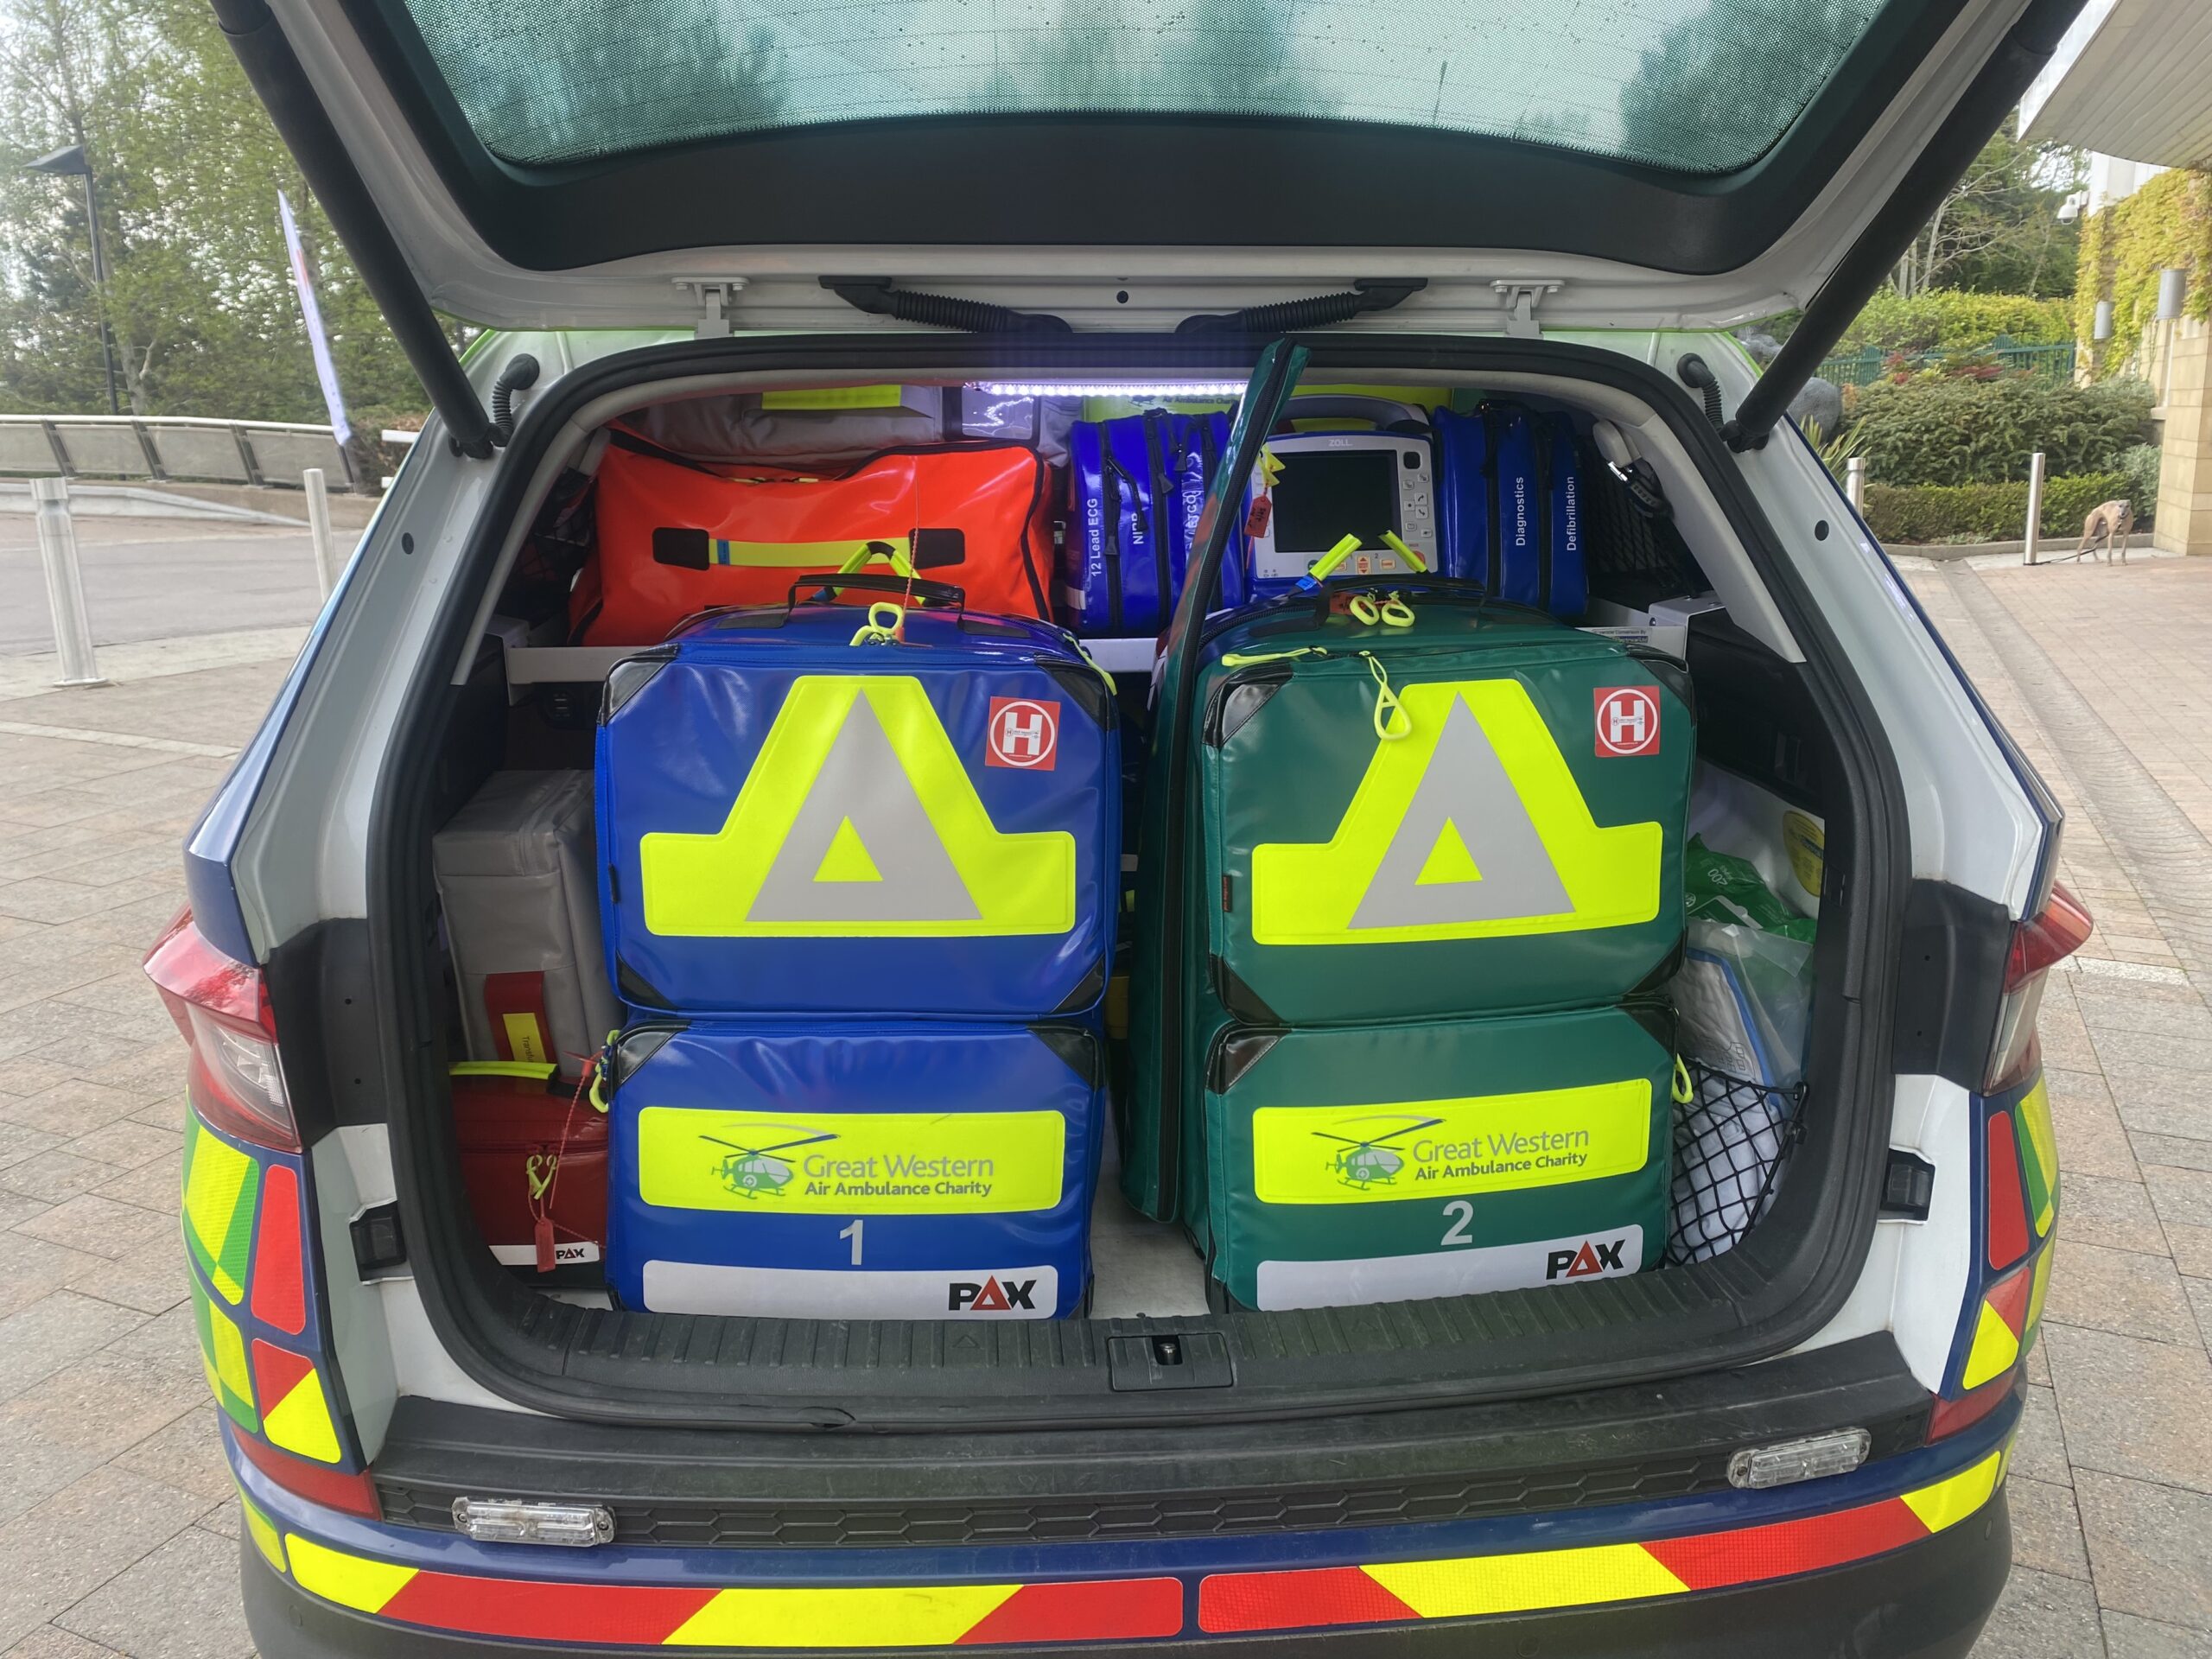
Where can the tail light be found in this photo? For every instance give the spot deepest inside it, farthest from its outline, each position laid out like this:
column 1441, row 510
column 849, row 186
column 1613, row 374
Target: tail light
column 2047, row 938
column 221, row 1007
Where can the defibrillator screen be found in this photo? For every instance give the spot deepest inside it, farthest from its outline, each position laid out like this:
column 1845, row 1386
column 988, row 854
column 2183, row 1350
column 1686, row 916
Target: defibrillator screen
column 1324, row 495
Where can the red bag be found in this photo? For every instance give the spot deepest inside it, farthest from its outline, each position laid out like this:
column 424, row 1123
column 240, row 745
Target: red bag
column 675, row 539
column 533, row 1157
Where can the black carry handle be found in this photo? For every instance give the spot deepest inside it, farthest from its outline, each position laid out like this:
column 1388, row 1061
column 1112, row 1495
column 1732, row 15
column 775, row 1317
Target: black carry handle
column 882, row 581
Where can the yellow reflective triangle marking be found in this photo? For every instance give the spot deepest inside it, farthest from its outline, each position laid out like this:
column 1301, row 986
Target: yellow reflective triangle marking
column 1449, row 860
column 887, row 1616
column 301, row 1421
column 1481, row 761
column 1994, row 1349
column 1950, row 1502
column 1544, row 1578
column 847, row 859
column 350, row 1580
column 867, row 753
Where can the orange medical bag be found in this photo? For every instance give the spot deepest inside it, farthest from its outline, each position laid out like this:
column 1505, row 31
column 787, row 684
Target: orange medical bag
column 675, row 537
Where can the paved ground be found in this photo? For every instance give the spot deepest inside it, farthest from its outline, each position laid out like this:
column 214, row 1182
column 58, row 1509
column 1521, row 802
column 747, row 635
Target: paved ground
column 162, row 578
column 117, row 1526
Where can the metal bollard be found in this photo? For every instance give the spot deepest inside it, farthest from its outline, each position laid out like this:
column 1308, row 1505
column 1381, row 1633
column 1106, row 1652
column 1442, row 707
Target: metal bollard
column 1854, row 484
column 65, row 585
column 326, row 552
column 2035, row 509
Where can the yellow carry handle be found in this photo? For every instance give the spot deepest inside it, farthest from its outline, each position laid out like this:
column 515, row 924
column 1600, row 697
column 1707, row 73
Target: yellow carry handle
column 531, row 1071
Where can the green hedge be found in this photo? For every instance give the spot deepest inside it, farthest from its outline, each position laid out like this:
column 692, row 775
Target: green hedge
column 1988, row 512
column 1931, row 430
column 1949, row 320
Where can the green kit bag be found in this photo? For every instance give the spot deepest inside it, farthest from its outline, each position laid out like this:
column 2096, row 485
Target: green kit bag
column 1479, row 810
column 1438, row 807
column 1437, row 1158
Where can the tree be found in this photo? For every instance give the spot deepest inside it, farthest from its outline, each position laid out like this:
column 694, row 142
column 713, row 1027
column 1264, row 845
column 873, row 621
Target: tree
column 200, row 295
column 1998, row 230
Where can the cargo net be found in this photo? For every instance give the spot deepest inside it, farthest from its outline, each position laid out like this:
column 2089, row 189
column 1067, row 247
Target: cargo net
column 1731, row 1140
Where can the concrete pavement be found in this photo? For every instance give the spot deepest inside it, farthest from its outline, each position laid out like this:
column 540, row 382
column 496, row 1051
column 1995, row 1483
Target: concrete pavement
column 117, row 1522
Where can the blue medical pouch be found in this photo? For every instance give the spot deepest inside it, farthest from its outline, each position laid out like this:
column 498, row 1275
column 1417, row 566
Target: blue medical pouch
column 897, row 1171
column 1139, row 483
column 793, row 821
column 1509, row 498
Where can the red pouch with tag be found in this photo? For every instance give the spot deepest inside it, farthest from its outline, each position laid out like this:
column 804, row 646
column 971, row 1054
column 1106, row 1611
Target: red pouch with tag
column 533, row 1156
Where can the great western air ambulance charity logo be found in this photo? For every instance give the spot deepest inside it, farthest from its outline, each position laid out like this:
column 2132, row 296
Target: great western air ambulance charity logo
column 852, row 1163
column 1363, row 1156
column 759, row 1172
column 1437, row 1149
column 858, row 821
column 1469, row 827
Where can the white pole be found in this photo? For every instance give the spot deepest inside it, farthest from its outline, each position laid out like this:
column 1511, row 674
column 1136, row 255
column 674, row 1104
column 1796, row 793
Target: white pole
column 326, row 554
column 2035, row 508
column 65, row 585
column 1854, row 483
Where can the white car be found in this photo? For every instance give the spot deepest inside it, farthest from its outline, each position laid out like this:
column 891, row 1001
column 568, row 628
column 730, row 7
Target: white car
column 1798, row 1443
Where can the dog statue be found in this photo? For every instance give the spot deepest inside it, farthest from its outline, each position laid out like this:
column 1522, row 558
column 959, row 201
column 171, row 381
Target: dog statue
column 2108, row 526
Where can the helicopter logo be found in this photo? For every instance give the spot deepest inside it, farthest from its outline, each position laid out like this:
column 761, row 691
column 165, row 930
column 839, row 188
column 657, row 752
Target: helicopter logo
column 756, row 1171
column 1362, row 1164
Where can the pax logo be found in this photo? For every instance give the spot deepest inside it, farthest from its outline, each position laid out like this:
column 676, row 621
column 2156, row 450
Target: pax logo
column 991, row 1296
column 1593, row 1259
column 1628, row 721
column 1023, row 734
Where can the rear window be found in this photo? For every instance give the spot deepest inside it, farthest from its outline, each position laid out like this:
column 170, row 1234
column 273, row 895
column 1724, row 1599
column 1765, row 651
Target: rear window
column 1694, row 86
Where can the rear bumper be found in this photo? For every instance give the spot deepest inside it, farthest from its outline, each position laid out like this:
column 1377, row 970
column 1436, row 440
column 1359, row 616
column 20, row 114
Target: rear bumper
column 1904, row 1558
column 1926, row 1600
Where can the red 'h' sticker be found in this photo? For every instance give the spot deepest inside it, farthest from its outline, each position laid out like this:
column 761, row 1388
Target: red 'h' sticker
column 1628, row 720
column 1023, row 734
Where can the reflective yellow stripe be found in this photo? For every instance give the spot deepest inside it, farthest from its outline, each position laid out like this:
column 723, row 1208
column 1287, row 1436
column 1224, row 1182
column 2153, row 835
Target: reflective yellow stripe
column 794, row 556
column 920, row 1616
column 2036, row 1291
column 851, row 1163
column 352, row 1581
column 836, row 397
column 1434, row 1148
column 1494, row 778
column 262, row 1531
column 1507, row 1584
column 2037, row 1143
column 858, row 767
column 1950, row 1502
column 534, row 1071
column 222, row 1359
column 219, row 1184
column 301, row 1421
column 1994, row 1349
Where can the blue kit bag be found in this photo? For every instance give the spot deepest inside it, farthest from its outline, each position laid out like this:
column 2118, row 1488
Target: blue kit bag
column 817, row 811
column 901, row 1171
column 1138, row 484
column 1509, row 505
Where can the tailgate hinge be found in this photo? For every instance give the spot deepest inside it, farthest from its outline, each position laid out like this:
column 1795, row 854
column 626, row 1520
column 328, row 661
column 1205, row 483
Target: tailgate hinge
column 713, row 296
column 1520, row 296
